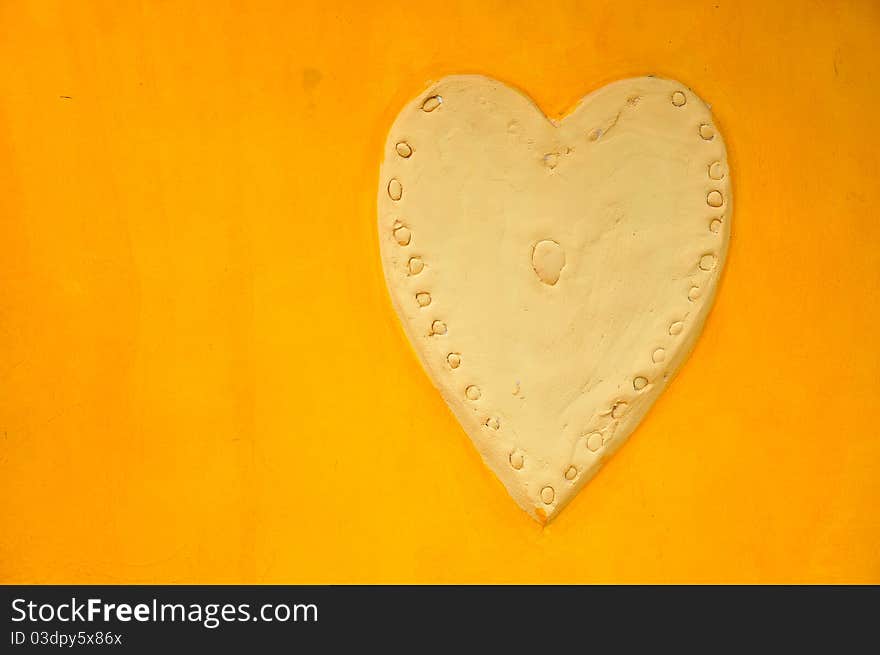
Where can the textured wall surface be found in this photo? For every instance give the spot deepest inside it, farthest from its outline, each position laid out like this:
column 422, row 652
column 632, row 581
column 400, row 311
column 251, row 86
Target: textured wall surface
column 201, row 375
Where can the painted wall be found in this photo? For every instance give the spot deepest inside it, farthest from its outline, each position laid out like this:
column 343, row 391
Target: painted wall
column 201, row 375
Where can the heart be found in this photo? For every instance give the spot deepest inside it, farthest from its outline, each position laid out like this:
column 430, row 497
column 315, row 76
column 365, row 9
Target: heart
column 552, row 276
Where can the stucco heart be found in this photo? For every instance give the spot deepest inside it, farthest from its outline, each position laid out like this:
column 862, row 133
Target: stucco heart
column 552, row 276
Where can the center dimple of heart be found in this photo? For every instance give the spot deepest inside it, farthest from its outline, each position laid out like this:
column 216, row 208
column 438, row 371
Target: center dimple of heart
column 548, row 260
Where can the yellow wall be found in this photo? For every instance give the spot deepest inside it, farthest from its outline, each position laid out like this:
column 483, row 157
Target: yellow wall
column 201, row 375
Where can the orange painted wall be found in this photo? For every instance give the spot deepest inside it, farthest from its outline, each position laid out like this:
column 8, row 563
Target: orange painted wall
column 201, row 375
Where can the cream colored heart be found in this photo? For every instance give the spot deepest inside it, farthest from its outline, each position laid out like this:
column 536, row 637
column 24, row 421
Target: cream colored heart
column 552, row 276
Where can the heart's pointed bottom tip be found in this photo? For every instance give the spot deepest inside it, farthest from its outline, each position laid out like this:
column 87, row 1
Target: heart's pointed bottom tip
column 542, row 517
